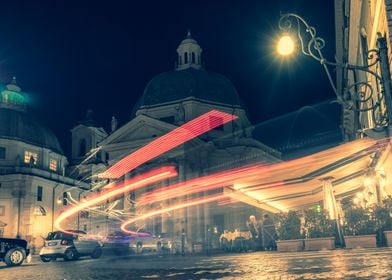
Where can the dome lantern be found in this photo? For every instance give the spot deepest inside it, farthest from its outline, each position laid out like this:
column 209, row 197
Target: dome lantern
column 12, row 97
column 189, row 54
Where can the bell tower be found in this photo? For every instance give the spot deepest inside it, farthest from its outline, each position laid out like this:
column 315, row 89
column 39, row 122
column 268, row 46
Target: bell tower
column 189, row 54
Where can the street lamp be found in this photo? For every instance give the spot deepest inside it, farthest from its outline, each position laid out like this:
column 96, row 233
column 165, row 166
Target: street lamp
column 285, row 45
column 360, row 96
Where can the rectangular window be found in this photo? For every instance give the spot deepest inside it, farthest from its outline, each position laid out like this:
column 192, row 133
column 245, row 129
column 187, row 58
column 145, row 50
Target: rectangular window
column 30, row 157
column 2, row 152
column 39, row 193
column 84, row 214
column 65, row 198
column 2, row 210
column 53, row 164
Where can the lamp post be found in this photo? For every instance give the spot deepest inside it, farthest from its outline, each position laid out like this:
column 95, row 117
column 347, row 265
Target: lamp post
column 373, row 93
column 53, row 203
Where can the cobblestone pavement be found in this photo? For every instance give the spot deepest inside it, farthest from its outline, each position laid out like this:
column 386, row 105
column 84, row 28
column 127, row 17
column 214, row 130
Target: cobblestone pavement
column 336, row 264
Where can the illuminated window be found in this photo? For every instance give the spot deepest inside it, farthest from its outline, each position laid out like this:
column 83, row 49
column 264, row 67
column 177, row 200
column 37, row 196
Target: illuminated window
column 39, row 211
column 2, row 152
column 53, row 164
column 30, row 157
column 39, row 193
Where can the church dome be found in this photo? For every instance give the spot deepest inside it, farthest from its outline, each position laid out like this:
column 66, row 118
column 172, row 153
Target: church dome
column 176, row 85
column 189, row 80
column 17, row 124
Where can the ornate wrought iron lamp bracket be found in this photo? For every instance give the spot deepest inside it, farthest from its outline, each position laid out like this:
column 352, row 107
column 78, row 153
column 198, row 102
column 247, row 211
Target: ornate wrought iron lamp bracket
column 376, row 69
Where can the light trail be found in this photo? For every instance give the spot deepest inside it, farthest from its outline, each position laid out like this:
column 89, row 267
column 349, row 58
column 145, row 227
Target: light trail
column 174, row 138
column 209, row 182
column 178, row 136
column 171, row 208
column 137, row 182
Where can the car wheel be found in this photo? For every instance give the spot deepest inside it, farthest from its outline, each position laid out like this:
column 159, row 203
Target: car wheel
column 45, row 259
column 96, row 253
column 70, row 254
column 15, row 256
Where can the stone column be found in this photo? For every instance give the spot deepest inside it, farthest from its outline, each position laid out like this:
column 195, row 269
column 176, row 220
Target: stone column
column 18, row 199
column 330, row 206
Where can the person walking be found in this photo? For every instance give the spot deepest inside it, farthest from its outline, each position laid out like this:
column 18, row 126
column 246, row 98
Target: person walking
column 254, row 228
column 268, row 233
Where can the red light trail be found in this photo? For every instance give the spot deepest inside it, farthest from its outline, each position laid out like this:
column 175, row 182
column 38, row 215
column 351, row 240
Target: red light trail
column 137, row 182
column 174, row 138
column 209, row 182
column 171, row 208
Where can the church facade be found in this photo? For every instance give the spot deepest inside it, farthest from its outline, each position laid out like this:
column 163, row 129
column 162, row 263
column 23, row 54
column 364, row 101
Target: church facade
column 169, row 100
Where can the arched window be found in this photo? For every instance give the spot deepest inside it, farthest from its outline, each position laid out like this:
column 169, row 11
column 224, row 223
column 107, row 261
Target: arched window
column 65, row 198
column 186, row 58
column 193, row 58
column 82, row 147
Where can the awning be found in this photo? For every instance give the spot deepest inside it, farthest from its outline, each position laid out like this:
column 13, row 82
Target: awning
column 297, row 183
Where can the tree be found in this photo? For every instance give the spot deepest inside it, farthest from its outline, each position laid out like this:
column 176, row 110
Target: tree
column 317, row 224
column 289, row 226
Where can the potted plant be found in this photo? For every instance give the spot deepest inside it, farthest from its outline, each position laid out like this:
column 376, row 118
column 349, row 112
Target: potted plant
column 359, row 228
column 383, row 219
column 319, row 230
column 289, row 232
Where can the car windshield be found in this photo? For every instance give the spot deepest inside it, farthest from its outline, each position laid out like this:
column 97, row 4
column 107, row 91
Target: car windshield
column 59, row 235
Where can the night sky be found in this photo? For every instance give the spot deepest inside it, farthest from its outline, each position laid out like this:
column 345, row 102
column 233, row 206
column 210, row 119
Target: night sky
column 74, row 55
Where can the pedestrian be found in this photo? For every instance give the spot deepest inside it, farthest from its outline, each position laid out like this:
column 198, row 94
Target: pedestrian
column 254, row 228
column 269, row 233
column 183, row 242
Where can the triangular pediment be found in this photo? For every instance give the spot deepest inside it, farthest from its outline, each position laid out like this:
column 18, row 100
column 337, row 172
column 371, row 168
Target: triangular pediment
column 2, row 224
column 140, row 128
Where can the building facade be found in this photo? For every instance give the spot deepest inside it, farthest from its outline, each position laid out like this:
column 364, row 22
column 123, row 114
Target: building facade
column 363, row 39
column 33, row 184
column 169, row 100
column 363, row 31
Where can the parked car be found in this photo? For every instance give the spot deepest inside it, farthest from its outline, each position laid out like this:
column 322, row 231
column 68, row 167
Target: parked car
column 14, row 251
column 69, row 245
column 119, row 242
column 147, row 242
column 122, row 243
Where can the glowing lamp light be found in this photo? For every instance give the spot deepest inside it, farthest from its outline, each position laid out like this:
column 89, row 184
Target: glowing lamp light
column 285, row 45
